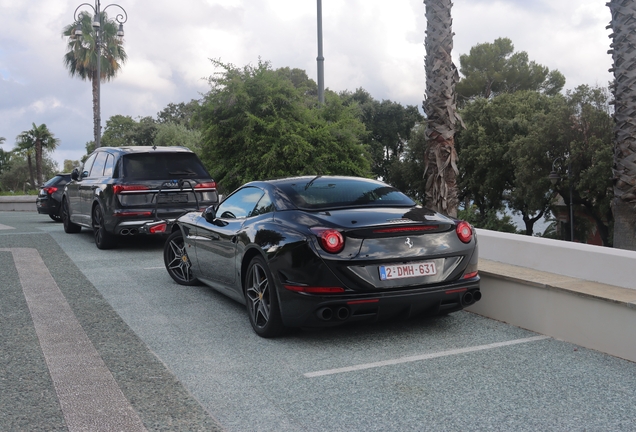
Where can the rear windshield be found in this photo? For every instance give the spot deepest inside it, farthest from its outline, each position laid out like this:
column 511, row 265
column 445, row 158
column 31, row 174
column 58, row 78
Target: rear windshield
column 322, row 193
column 160, row 166
column 55, row 180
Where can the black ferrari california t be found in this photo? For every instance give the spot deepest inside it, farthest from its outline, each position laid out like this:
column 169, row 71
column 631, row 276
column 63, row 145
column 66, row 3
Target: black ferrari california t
column 322, row 251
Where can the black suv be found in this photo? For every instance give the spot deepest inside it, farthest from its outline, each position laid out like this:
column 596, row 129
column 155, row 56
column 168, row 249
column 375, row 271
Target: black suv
column 124, row 190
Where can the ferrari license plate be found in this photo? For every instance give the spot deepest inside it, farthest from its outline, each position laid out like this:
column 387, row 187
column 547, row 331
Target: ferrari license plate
column 402, row 271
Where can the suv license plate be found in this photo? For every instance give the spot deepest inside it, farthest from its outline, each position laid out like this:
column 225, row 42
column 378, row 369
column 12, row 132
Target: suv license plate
column 402, row 271
column 173, row 198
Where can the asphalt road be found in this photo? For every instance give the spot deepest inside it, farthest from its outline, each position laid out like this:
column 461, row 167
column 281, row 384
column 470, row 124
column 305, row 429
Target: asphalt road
column 185, row 358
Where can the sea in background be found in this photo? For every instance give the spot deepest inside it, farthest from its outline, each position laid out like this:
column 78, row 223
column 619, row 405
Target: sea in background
column 539, row 226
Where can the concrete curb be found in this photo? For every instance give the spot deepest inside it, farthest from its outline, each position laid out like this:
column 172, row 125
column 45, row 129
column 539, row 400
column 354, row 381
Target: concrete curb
column 18, row 203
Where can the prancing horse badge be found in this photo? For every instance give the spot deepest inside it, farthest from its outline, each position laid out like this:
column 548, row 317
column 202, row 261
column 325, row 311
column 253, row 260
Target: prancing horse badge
column 409, row 242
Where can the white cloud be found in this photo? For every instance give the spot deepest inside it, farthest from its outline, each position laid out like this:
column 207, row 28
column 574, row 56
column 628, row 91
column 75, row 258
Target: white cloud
column 374, row 44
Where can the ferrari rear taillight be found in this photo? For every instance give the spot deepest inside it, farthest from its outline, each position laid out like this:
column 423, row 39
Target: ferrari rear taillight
column 331, row 240
column 50, row 189
column 470, row 275
column 128, row 188
column 464, row 232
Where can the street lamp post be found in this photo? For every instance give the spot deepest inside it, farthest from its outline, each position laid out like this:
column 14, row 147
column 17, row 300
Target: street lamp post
column 97, row 27
column 320, row 59
column 554, row 179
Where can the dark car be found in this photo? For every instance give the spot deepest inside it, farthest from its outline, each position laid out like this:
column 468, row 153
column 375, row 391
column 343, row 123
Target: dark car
column 121, row 190
column 49, row 200
column 323, row 251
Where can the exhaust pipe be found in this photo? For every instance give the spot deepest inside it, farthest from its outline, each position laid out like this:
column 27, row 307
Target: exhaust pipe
column 133, row 231
column 124, row 232
column 477, row 296
column 343, row 313
column 467, row 298
column 325, row 314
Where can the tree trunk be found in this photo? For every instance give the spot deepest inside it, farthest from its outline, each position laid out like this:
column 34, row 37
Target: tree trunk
column 30, row 165
column 38, row 161
column 96, row 113
column 440, row 157
column 624, row 88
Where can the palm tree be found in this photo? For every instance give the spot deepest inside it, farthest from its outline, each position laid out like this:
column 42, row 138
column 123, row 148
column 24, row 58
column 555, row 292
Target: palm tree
column 36, row 141
column 440, row 158
column 81, row 57
column 26, row 146
column 624, row 89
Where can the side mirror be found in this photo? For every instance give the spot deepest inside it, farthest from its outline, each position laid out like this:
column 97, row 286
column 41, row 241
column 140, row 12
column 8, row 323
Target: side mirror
column 75, row 174
column 209, row 214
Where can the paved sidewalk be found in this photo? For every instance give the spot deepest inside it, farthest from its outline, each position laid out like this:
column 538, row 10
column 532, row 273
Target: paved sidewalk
column 67, row 360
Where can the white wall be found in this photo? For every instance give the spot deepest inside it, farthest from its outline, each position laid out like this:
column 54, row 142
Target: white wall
column 594, row 263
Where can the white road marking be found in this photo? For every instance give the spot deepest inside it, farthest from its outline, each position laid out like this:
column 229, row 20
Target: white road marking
column 88, row 394
column 154, row 268
column 421, row 357
column 6, row 227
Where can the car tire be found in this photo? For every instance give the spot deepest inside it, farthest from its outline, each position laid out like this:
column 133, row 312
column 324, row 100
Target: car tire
column 177, row 261
column 69, row 227
column 103, row 239
column 262, row 301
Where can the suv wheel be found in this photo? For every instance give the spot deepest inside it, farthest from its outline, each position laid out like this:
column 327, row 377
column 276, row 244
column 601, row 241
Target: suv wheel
column 103, row 239
column 69, row 227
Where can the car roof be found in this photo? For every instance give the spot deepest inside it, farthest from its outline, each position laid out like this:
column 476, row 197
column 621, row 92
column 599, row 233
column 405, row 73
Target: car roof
column 147, row 149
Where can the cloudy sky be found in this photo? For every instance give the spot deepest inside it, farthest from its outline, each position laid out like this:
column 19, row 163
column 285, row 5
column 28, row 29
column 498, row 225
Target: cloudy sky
column 374, row 44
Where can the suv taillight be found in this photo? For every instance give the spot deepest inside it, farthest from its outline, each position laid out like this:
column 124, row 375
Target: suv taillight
column 207, row 185
column 128, row 188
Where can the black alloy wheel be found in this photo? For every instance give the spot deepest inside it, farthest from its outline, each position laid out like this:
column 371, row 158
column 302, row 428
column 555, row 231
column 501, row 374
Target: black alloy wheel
column 262, row 302
column 103, row 239
column 69, row 227
column 176, row 260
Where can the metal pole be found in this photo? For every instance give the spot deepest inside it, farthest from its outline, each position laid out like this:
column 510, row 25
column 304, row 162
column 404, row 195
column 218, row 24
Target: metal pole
column 320, row 59
column 98, row 135
column 571, row 206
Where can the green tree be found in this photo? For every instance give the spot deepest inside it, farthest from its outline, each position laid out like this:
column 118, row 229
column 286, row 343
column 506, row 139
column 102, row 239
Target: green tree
column 258, row 124
column 511, row 142
column 25, row 146
column 624, row 169
column 489, row 168
column 35, row 142
column 126, row 131
column 70, row 164
column 494, row 68
column 183, row 114
column 389, row 125
column 81, row 56
column 406, row 173
column 17, row 175
column 175, row 134
column 4, row 157
column 440, row 158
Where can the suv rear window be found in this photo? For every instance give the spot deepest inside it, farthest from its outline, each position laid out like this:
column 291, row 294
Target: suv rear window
column 160, row 166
